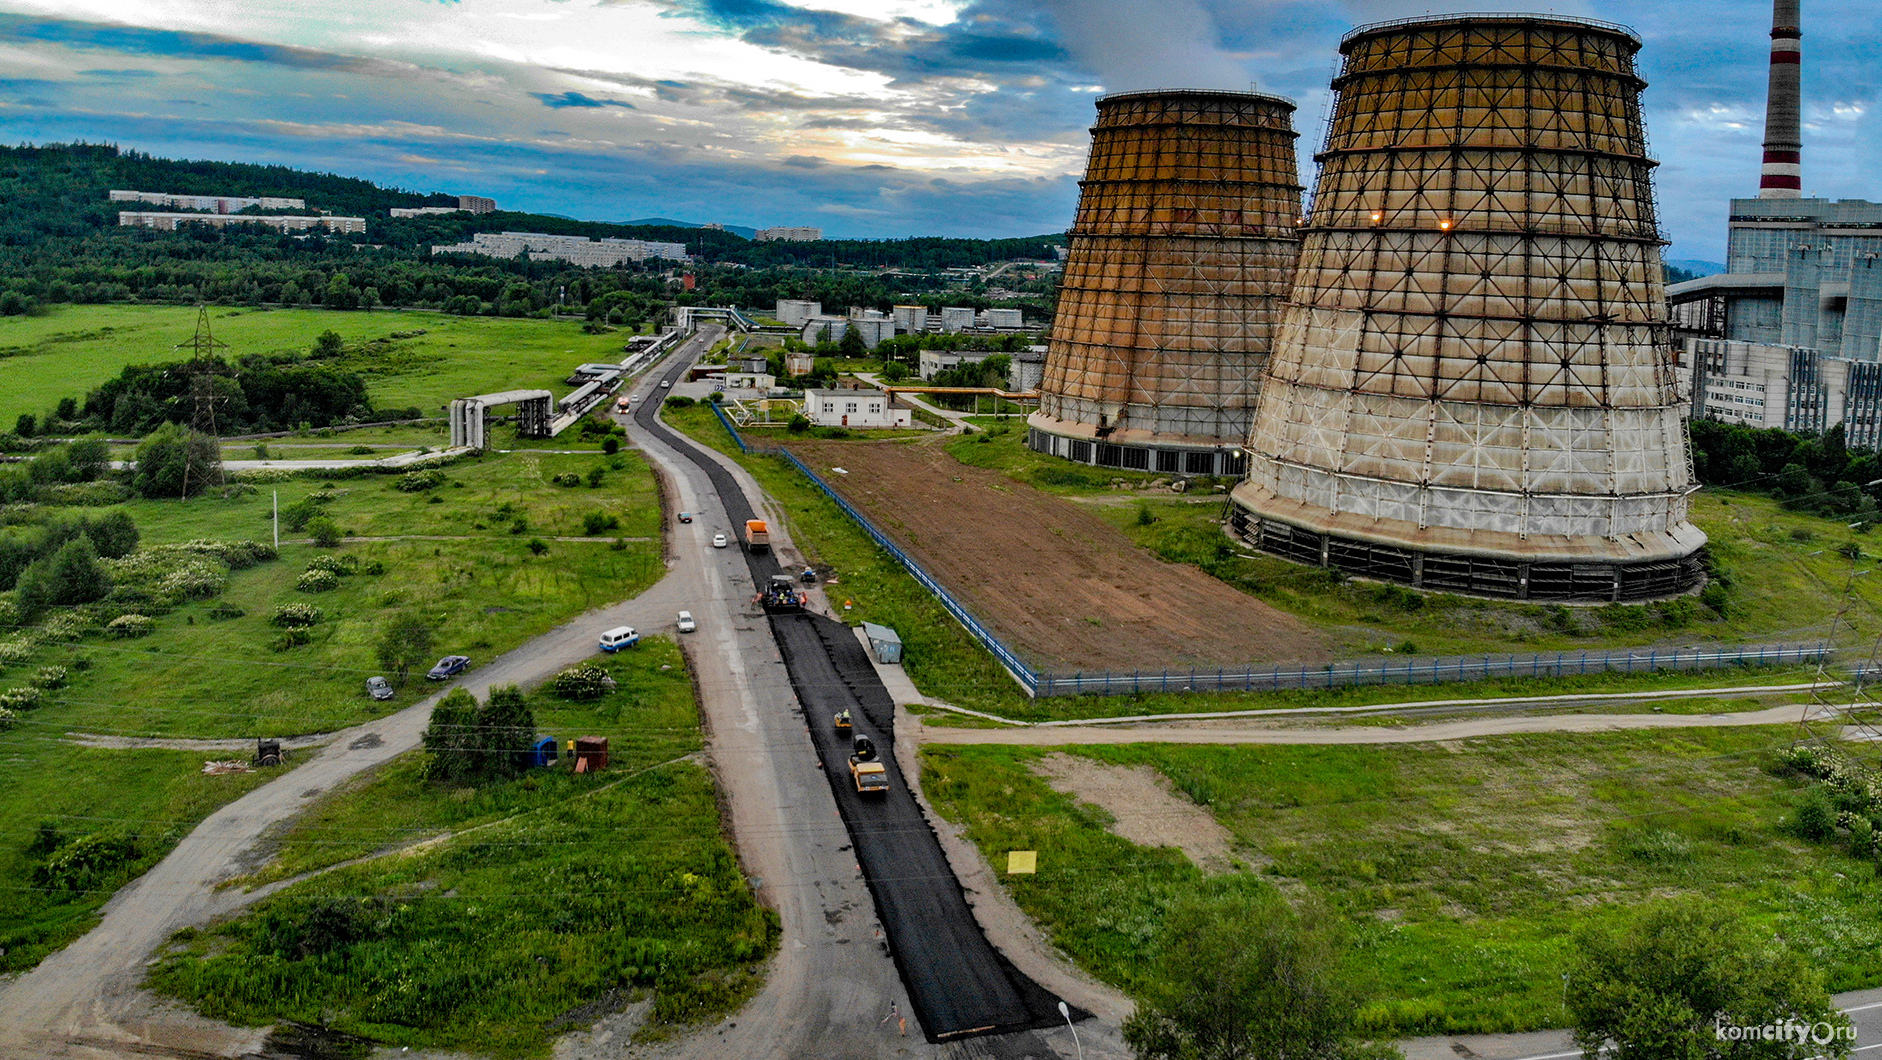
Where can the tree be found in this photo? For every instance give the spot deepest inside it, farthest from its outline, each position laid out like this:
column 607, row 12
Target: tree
column 167, row 454
column 852, row 345
column 895, row 371
column 329, row 344
column 1679, row 983
column 1245, row 976
column 406, row 642
column 25, row 425
column 451, row 739
column 69, row 576
column 507, row 731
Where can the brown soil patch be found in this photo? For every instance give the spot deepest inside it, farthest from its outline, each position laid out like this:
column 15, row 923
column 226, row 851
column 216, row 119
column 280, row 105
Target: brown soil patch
column 1143, row 807
column 1056, row 582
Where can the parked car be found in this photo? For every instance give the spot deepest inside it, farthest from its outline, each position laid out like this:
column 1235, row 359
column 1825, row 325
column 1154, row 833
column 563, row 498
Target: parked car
column 449, row 666
column 619, row 637
column 664, row 384
column 686, row 517
column 687, row 625
column 378, row 688
column 718, row 541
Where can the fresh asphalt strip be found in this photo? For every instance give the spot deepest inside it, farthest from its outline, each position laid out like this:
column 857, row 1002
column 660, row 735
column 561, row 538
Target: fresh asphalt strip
column 959, row 985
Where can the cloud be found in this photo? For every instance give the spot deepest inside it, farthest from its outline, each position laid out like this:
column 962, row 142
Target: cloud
column 576, row 99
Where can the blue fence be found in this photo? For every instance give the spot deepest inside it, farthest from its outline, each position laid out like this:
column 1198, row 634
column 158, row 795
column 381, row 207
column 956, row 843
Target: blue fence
column 1410, row 671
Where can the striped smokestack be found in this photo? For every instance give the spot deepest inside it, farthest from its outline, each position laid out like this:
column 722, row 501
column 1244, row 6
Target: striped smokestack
column 1783, row 139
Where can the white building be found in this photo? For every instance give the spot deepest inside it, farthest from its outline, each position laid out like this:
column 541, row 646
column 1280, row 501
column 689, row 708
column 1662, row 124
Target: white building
column 796, row 312
column 798, row 363
column 872, row 331
column 1793, row 387
column 762, row 381
column 910, row 319
column 956, row 318
column 576, row 250
column 934, row 362
column 854, row 408
column 167, row 222
column 1005, row 318
column 207, row 203
column 1029, row 367
column 789, row 235
column 422, row 211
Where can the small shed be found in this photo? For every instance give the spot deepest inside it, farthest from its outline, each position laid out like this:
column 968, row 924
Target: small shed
column 884, row 642
column 543, row 755
column 591, row 754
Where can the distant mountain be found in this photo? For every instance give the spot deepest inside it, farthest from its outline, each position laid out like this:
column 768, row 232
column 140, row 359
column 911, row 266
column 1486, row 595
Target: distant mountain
column 737, row 230
column 1697, row 267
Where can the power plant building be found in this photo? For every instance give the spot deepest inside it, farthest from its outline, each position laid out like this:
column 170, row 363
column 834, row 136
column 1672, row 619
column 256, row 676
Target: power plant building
column 1181, row 254
column 1472, row 390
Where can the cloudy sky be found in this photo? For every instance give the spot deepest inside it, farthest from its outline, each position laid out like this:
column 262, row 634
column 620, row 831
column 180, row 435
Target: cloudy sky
column 867, row 117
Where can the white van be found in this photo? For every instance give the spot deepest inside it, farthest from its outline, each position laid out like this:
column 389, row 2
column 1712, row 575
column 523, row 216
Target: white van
column 619, row 637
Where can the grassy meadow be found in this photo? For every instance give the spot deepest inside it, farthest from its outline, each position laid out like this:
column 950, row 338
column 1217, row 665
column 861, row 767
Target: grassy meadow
column 73, row 348
column 496, row 916
column 459, row 555
column 1463, row 869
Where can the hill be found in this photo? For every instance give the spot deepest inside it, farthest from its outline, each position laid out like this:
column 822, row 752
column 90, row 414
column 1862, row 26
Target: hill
column 737, row 230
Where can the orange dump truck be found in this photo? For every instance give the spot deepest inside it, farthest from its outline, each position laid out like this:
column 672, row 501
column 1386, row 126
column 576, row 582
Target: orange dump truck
column 757, row 535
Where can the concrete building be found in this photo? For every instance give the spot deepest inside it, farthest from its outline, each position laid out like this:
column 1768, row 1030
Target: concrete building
column 910, row 319
column 797, row 313
column 168, row 222
column 576, row 250
column 759, row 381
column 789, row 235
column 933, row 362
column 873, row 331
column 1004, row 319
column 854, row 408
column 421, row 211
column 218, row 204
column 476, row 204
column 1471, row 390
column 956, row 318
column 798, row 363
column 1790, row 387
column 1029, row 367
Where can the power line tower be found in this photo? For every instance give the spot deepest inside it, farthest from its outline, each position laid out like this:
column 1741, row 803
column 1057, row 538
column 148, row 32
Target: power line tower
column 203, row 400
column 1857, row 714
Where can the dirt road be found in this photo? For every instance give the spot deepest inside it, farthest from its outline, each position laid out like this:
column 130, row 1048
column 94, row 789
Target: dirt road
column 1057, row 582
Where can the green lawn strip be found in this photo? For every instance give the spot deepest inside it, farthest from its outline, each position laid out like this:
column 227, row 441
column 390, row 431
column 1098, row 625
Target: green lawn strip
column 155, row 796
column 576, row 886
column 650, row 718
column 72, row 349
column 1464, row 868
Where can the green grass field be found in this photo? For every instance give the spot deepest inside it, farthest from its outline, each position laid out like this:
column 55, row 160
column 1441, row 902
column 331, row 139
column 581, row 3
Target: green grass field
column 527, row 900
column 1463, row 868
column 462, row 563
column 72, row 349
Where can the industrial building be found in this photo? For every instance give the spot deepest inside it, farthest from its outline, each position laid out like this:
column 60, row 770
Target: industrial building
column 930, row 363
column 910, row 319
column 576, row 250
column 168, row 222
column 873, row 329
column 1028, row 368
column 217, row 204
column 957, row 318
column 789, row 235
column 854, row 408
column 1182, row 248
column 1472, row 391
column 796, row 312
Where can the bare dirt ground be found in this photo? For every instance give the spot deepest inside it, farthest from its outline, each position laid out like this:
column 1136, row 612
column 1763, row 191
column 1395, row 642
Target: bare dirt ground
column 1060, row 585
column 1144, row 808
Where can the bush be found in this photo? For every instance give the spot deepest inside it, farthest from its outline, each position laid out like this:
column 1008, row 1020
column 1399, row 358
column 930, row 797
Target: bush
column 21, row 699
column 50, row 677
column 222, row 612
column 537, row 547
column 318, row 581
column 341, row 566
column 295, row 616
column 373, row 567
column 171, row 459
column 1815, row 817
column 582, row 683
column 290, row 638
column 594, row 524
column 8, row 719
column 677, row 402
column 419, row 481
column 567, row 478
column 611, row 445
column 17, row 650
column 325, row 532
column 126, row 627
column 87, row 861
column 799, row 424
column 595, row 475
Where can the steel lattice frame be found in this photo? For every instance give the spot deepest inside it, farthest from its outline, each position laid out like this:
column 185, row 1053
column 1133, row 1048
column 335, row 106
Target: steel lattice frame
column 1474, row 364
column 1181, row 255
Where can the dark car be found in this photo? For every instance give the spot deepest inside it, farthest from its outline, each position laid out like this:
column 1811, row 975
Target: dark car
column 449, row 666
column 378, row 688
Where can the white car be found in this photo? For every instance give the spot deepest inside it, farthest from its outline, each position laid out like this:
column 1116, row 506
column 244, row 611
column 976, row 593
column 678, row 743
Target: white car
column 718, row 541
column 687, row 625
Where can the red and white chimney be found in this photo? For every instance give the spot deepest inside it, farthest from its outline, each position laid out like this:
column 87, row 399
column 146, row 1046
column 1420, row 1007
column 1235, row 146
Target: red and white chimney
column 1783, row 135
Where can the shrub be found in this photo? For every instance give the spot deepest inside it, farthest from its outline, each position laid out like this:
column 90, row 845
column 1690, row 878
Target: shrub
column 21, row 699
column 799, row 424
column 192, row 581
column 318, row 581
column 50, row 677
column 69, row 625
column 290, row 638
column 126, row 627
column 596, row 474
column 594, row 524
column 610, row 445
column 584, row 682
column 222, row 612
column 373, row 567
column 8, row 719
column 325, row 532
column 17, row 650
column 340, row 566
column 1815, row 818
column 419, row 481
column 537, row 547
column 295, row 616
column 519, row 526
column 567, row 478
column 87, row 861
column 677, row 402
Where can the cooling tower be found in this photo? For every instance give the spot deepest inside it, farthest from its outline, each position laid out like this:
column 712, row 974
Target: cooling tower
column 1471, row 390
column 1181, row 253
